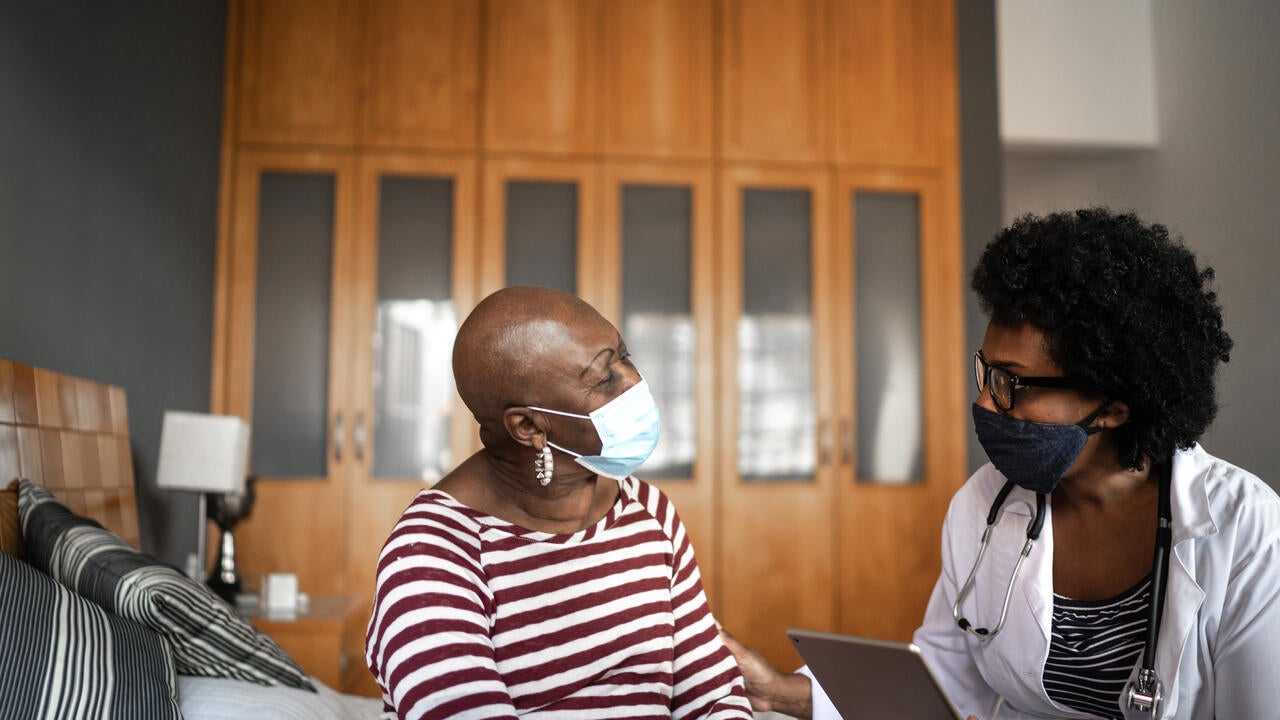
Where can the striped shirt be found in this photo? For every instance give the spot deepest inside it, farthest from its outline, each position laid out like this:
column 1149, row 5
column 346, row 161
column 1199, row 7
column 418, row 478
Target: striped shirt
column 477, row 618
column 1094, row 647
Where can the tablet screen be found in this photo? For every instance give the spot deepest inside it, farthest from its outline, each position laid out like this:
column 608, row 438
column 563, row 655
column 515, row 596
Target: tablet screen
column 873, row 679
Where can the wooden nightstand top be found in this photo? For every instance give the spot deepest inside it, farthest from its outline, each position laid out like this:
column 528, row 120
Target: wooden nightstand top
column 315, row 638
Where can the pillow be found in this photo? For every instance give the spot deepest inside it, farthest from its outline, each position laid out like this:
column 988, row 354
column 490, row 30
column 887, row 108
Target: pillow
column 10, row 530
column 208, row 636
column 219, row 699
column 65, row 657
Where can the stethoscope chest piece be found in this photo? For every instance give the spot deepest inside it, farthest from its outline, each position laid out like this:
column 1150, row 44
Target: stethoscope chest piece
column 1145, row 694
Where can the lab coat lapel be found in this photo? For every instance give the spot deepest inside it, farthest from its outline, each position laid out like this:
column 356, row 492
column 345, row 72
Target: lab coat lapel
column 1020, row 650
column 1038, row 589
column 1189, row 500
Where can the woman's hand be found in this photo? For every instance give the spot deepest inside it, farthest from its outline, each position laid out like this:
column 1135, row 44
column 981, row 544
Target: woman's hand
column 768, row 689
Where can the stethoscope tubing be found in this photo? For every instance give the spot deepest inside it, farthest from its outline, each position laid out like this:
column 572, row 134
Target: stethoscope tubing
column 1159, row 577
column 1033, row 533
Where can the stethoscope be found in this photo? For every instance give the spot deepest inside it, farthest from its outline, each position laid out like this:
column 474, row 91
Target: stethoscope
column 1146, row 692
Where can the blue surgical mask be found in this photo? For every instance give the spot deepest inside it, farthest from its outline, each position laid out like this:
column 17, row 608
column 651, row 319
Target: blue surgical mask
column 628, row 430
column 1033, row 455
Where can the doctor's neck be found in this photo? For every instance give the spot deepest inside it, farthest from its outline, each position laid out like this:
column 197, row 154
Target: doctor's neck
column 1104, row 485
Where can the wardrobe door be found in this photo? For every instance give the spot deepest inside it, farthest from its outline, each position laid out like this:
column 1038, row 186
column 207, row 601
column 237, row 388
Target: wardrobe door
column 298, row 71
column 541, row 75
column 900, row 375
column 776, row 429
column 773, row 80
column 658, row 272
column 893, row 80
column 281, row 358
column 422, row 65
column 414, row 270
column 656, row 90
column 537, row 226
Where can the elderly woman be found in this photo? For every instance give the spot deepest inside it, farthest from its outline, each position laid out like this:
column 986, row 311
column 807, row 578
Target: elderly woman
column 538, row 578
column 1128, row 572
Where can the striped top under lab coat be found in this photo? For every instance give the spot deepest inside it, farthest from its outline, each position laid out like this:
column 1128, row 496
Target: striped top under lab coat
column 1093, row 649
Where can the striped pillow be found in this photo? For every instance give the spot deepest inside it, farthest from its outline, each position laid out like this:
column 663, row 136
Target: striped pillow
column 65, row 657
column 208, row 637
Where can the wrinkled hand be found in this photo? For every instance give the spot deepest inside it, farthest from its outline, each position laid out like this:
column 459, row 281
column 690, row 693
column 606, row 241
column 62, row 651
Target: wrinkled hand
column 768, row 689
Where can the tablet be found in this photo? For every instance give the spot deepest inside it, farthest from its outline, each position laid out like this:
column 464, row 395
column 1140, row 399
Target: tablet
column 874, row 679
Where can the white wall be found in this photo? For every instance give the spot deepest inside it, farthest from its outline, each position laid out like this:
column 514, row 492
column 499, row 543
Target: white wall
column 1214, row 178
column 1077, row 73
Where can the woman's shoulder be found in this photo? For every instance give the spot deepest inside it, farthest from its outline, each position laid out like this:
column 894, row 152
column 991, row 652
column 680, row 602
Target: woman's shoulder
column 435, row 520
column 651, row 500
column 1224, row 493
column 434, row 505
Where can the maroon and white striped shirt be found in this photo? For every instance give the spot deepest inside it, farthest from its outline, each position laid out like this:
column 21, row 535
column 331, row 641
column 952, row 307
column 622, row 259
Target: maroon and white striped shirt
column 478, row 618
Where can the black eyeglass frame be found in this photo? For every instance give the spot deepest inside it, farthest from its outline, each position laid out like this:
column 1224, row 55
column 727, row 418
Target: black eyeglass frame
column 982, row 372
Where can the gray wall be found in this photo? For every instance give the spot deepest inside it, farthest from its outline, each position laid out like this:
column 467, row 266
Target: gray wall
column 1214, row 179
column 109, row 140
column 981, row 168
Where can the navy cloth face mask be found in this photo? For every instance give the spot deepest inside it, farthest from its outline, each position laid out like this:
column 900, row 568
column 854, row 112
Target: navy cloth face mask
column 1033, row 455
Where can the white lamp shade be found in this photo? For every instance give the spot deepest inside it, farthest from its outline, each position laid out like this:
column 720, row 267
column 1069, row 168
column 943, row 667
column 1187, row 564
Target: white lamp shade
column 204, row 453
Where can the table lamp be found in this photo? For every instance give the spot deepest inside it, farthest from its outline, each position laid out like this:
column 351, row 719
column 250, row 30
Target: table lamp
column 209, row 454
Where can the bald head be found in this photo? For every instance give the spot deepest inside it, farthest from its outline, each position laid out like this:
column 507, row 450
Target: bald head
column 509, row 349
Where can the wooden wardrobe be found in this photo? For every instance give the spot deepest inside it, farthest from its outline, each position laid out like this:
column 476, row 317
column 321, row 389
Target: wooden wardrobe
column 761, row 194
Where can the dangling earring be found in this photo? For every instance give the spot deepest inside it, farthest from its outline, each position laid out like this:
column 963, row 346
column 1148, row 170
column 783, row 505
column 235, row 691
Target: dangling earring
column 544, row 465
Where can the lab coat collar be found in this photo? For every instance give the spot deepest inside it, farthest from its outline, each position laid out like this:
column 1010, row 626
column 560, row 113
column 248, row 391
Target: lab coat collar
column 1189, row 496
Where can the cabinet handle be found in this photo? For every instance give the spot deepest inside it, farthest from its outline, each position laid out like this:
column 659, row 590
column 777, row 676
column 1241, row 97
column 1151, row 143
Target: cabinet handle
column 846, row 441
column 337, row 437
column 359, row 437
column 824, row 441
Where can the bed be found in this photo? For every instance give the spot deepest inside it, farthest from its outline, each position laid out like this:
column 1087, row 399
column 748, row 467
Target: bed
column 92, row 627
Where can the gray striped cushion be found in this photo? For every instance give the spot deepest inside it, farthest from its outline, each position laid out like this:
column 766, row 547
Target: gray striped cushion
column 208, row 637
column 65, row 657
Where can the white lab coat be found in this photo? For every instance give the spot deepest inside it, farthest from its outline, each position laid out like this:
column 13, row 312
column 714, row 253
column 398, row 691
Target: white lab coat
column 1218, row 652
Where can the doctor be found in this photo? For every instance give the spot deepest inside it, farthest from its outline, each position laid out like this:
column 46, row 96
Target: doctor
column 1103, row 564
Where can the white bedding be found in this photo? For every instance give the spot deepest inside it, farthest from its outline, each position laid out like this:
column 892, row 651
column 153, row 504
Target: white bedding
column 221, row 699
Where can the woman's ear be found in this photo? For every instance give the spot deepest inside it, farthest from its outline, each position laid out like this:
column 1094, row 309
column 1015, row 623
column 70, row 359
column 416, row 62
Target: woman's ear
column 522, row 426
column 1115, row 414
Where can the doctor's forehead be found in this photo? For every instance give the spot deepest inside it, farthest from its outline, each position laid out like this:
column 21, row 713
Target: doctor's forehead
column 1021, row 348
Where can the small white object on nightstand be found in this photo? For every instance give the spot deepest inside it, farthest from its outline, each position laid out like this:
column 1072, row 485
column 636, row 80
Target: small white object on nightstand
column 278, row 593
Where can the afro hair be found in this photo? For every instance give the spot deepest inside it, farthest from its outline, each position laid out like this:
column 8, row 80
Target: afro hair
column 1125, row 312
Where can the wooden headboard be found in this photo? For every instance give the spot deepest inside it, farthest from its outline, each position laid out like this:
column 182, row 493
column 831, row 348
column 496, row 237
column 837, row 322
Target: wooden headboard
column 72, row 436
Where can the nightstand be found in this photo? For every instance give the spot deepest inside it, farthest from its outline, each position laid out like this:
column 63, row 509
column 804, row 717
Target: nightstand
column 314, row 638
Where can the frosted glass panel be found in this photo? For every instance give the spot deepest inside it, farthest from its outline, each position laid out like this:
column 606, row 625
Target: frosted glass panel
column 657, row 315
column 542, row 234
column 291, row 332
column 777, row 419
column 889, row 366
column 414, row 329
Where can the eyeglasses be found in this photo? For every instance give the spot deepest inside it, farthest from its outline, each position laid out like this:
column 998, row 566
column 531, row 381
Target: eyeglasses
column 1003, row 383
